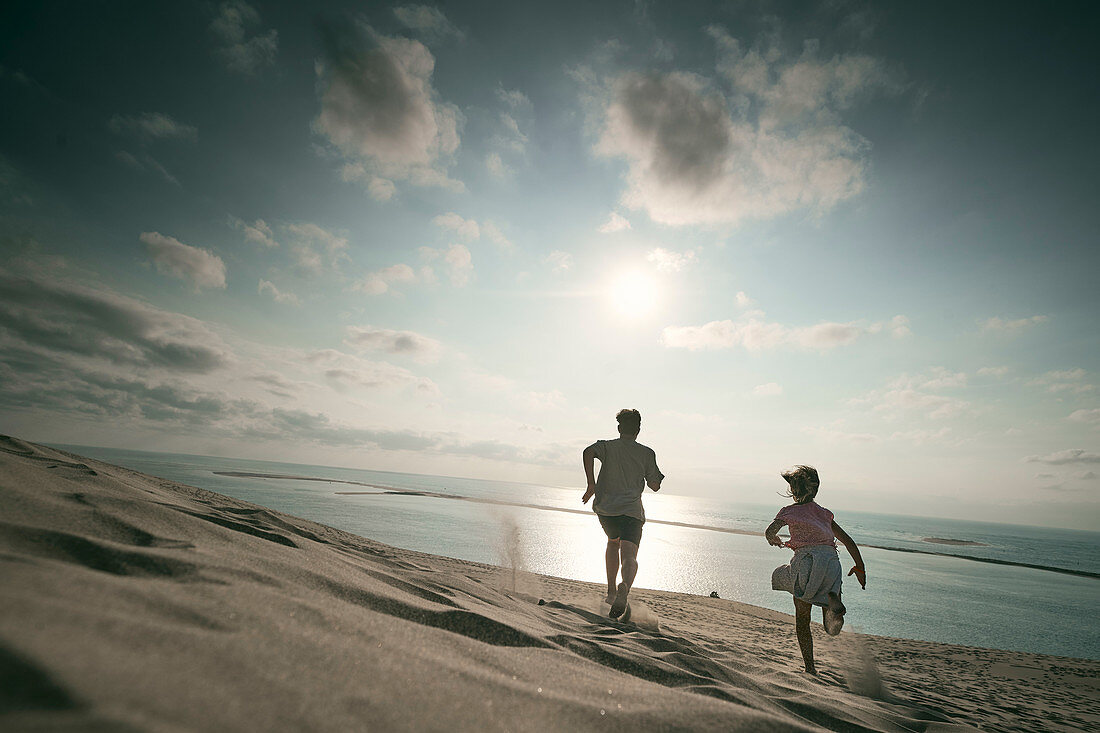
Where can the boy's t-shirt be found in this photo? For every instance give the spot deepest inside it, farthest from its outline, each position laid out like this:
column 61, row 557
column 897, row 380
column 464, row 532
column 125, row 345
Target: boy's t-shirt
column 625, row 467
column 809, row 524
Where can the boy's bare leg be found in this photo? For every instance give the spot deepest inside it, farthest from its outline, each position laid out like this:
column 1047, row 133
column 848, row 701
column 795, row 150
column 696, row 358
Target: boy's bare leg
column 611, row 557
column 628, row 552
column 802, row 631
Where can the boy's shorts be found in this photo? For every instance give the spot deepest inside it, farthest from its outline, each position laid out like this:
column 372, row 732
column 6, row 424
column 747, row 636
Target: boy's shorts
column 622, row 527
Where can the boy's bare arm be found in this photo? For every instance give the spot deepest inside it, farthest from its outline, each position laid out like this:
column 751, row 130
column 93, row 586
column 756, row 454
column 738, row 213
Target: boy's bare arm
column 859, row 570
column 772, row 533
column 588, row 458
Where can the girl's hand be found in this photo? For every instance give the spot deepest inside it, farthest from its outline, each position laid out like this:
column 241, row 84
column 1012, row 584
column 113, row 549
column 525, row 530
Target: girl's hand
column 773, row 539
column 861, row 575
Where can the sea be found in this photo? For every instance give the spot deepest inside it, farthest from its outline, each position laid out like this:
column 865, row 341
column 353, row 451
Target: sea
column 1014, row 587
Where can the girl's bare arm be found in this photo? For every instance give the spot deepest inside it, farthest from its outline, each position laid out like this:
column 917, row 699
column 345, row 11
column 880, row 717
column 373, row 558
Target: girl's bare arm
column 772, row 533
column 859, row 571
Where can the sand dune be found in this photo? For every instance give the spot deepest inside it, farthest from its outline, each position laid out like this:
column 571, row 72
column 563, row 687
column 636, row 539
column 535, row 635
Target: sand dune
column 134, row 603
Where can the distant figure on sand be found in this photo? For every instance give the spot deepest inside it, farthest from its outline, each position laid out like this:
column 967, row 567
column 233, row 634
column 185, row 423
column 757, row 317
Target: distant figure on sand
column 626, row 467
column 813, row 576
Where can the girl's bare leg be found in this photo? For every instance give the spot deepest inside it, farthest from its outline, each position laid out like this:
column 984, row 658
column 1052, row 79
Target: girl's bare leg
column 832, row 616
column 802, row 631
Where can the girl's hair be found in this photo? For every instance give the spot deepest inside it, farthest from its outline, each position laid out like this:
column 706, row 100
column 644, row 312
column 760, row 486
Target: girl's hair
column 803, row 483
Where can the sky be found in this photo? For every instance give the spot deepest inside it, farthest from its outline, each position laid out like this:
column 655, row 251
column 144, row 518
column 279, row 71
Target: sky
column 457, row 238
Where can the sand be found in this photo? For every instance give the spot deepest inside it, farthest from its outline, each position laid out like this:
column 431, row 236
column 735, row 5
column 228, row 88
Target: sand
column 130, row 602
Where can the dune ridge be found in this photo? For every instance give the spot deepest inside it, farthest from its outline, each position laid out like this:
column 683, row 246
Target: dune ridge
column 135, row 603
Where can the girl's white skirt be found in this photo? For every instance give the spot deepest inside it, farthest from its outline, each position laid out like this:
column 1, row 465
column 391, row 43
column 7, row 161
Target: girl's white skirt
column 813, row 573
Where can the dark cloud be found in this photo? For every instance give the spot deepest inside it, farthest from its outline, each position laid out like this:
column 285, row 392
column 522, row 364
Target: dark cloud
column 317, row 428
column 406, row 343
column 760, row 137
column 430, row 22
column 241, row 53
column 687, row 130
column 73, row 319
column 1063, row 457
column 378, row 106
column 31, row 381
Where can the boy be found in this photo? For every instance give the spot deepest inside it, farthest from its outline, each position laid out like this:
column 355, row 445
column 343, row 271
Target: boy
column 626, row 467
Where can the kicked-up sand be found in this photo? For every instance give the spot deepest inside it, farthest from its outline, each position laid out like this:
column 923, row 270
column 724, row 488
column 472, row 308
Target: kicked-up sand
column 130, row 603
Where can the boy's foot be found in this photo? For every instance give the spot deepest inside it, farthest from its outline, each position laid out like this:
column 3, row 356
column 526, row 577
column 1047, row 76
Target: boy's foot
column 619, row 605
column 834, row 616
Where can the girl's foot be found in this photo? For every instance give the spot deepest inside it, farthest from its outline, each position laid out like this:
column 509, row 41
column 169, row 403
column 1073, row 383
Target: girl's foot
column 811, row 669
column 834, row 615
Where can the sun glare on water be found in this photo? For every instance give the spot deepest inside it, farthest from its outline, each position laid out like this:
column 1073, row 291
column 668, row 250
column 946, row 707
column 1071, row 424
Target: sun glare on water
column 633, row 294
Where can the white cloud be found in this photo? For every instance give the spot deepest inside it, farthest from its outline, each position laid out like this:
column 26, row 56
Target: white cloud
column 242, row 54
column 465, row 228
column 615, row 223
column 752, row 332
column 153, row 126
column 380, row 110
column 997, row 371
column 456, row 258
column 509, row 141
column 1071, row 455
column 543, row 400
column 762, row 140
column 935, row 378
column 381, row 189
column 316, row 248
column 934, row 406
column 669, row 261
column 914, row 393
column 743, row 300
column 899, row 327
column 200, row 267
column 771, row 389
column 258, row 232
column 496, row 166
column 493, row 233
column 1091, row 416
column 405, row 343
column 431, row 22
column 920, row 437
column 1001, row 325
column 277, row 295
column 460, row 264
column 147, row 162
column 1070, row 380
column 381, row 281
column 838, row 435
column 560, row 262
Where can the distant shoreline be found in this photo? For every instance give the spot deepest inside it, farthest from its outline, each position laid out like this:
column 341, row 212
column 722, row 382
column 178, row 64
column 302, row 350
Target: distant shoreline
column 728, row 530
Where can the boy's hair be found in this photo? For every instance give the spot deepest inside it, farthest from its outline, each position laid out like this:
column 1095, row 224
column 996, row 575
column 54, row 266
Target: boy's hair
column 630, row 422
column 803, row 483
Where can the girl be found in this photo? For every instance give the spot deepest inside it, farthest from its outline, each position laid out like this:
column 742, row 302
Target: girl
column 814, row 574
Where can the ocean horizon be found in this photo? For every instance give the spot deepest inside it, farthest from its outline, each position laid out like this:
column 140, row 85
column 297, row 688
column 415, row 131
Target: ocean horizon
column 985, row 584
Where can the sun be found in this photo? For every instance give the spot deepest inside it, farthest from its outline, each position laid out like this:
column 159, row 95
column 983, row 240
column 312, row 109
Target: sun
column 633, row 294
